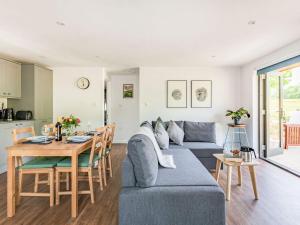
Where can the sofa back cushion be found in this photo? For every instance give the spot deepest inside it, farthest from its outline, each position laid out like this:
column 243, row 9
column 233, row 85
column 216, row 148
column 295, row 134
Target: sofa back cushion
column 199, row 132
column 142, row 154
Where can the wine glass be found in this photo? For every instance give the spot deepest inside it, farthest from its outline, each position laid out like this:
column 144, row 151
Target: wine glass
column 45, row 131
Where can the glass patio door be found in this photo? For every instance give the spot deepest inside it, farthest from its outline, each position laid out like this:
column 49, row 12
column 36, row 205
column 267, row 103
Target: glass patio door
column 274, row 114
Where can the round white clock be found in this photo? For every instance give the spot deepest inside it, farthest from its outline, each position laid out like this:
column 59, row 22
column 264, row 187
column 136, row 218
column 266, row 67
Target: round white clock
column 83, row 83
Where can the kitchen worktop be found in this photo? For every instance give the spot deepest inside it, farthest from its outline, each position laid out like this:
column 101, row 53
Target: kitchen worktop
column 14, row 121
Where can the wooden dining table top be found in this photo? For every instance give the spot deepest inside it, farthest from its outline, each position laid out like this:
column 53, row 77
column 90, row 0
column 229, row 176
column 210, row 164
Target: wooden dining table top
column 56, row 148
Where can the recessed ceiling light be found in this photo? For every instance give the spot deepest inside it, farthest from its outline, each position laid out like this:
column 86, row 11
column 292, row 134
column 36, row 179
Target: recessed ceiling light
column 60, row 23
column 251, row 22
column 213, row 56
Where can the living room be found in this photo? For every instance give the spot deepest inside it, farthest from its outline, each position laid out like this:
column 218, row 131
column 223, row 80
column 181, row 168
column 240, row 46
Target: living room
column 196, row 103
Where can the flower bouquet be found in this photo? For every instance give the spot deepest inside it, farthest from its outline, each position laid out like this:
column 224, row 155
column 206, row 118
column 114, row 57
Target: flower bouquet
column 69, row 124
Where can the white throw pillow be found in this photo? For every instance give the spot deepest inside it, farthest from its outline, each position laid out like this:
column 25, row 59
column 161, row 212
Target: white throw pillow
column 161, row 135
column 175, row 133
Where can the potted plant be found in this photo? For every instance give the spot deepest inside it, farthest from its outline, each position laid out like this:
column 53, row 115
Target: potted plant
column 236, row 116
column 69, row 124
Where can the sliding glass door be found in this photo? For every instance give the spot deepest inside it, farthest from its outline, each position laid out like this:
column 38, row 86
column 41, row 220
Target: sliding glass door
column 280, row 114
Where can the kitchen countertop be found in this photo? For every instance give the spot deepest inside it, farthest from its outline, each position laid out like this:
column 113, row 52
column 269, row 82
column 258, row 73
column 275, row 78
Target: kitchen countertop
column 14, row 121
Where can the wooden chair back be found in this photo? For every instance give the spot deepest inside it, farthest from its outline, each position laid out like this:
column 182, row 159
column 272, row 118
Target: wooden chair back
column 52, row 128
column 99, row 143
column 111, row 133
column 21, row 131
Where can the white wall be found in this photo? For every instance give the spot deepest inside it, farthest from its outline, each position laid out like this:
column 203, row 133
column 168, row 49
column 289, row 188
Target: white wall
column 249, row 83
column 226, row 94
column 69, row 99
column 123, row 111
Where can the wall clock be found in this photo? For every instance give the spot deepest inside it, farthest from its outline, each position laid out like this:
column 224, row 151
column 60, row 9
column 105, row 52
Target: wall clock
column 83, row 83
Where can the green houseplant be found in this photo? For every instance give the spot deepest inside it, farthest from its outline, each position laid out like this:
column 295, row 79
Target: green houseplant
column 236, row 116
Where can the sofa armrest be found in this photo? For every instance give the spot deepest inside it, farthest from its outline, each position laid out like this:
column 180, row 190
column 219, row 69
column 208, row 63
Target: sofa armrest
column 176, row 205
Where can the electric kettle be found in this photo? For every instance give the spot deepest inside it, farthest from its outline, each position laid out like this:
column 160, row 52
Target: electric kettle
column 246, row 154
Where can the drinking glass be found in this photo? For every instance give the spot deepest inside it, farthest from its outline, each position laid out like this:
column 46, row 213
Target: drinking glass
column 45, row 132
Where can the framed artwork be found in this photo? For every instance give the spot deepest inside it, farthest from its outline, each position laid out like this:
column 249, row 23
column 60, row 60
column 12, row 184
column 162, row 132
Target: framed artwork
column 127, row 90
column 176, row 94
column 201, row 93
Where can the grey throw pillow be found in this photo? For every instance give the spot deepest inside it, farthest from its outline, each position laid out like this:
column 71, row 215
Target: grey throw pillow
column 161, row 136
column 176, row 134
column 199, row 132
column 142, row 154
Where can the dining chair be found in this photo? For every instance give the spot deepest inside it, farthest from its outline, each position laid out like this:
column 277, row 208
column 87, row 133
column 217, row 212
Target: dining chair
column 102, row 163
column 86, row 163
column 108, row 161
column 52, row 132
column 35, row 166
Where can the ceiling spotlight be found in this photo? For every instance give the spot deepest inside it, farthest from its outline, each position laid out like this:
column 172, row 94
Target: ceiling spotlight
column 213, row 56
column 60, row 23
column 251, row 22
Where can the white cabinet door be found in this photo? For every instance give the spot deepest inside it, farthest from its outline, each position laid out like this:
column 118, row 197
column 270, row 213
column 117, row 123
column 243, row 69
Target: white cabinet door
column 43, row 83
column 5, row 141
column 10, row 79
column 2, row 79
column 13, row 79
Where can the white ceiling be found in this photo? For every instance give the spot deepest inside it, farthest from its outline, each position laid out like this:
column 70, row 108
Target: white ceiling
column 146, row 32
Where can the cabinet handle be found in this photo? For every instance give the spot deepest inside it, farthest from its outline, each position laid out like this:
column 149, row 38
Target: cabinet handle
column 8, row 93
column 4, row 93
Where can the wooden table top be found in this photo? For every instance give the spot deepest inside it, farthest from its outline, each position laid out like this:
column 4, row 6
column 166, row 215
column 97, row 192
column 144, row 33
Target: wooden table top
column 222, row 159
column 56, row 148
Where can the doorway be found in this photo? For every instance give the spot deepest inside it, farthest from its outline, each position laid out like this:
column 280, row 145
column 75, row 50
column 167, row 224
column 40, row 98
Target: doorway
column 280, row 116
column 122, row 106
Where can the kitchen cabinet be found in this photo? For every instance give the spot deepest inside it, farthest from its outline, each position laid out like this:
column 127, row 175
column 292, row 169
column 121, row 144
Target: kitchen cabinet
column 10, row 79
column 37, row 94
column 6, row 129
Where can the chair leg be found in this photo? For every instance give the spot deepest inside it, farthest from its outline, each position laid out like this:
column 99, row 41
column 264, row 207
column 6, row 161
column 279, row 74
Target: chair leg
column 109, row 165
column 67, row 181
column 104, row 170
column 36, row 182
column 51, row 178
column 90, row 174
column 100, row 175
column 20, row 187
column 57, row 174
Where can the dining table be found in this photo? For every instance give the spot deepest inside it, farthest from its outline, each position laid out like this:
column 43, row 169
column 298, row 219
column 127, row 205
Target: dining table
column 55, row 148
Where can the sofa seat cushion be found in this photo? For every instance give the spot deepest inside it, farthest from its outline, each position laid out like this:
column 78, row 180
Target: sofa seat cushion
column 189, row 171
column 200, row 149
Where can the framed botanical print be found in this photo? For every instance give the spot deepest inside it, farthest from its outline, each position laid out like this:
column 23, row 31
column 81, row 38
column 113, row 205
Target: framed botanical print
column 127, row 90
column 176, row 94
column 201, row 93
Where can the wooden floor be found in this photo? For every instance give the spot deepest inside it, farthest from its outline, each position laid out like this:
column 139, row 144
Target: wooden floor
column 279, row 202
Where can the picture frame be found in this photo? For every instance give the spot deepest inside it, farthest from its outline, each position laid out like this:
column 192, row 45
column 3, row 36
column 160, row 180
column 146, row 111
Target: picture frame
column 128, row 90
column 201, row 94
column 176, row 93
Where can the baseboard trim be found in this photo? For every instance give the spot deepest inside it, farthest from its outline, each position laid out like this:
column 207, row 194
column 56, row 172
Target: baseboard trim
column 120, row 141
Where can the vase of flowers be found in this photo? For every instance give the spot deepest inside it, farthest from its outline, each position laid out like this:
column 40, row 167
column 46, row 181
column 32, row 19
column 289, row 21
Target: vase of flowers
column 69, row 124
column 236, row 116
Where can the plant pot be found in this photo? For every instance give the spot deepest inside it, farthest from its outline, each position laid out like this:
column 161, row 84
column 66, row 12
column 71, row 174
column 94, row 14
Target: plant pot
column 237, row 121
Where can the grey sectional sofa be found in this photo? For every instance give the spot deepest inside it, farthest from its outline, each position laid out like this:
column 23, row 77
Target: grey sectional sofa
column 153, row 195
